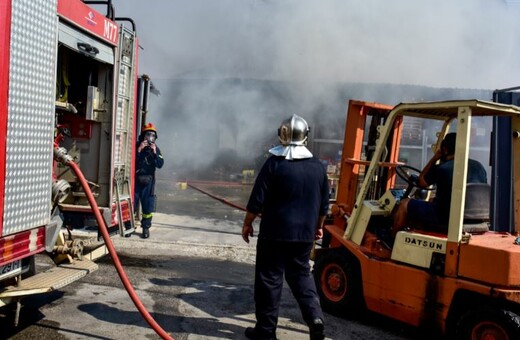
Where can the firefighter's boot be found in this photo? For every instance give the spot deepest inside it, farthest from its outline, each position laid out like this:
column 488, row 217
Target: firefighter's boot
column 316, row 329
column 146, row 223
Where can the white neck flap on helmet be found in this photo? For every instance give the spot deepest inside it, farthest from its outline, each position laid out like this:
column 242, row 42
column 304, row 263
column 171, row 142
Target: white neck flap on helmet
column 291, row 152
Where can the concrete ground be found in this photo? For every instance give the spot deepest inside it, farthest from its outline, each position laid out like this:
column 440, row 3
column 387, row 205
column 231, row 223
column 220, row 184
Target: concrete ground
column 194, row 275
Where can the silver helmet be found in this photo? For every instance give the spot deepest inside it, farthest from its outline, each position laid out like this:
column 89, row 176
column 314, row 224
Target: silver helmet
column 293, row 131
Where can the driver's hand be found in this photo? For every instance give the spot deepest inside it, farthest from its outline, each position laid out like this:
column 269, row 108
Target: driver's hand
column 438, row 154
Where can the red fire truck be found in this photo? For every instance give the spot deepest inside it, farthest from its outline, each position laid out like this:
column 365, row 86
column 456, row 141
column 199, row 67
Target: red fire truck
column 68, row 86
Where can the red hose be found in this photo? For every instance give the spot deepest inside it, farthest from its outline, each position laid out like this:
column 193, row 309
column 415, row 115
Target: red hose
column 223, row 200
column 108, row 241
column 227, row 184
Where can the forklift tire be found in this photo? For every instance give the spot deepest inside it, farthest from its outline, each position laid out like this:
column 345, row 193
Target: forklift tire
column 488, row 323
column 338, row 281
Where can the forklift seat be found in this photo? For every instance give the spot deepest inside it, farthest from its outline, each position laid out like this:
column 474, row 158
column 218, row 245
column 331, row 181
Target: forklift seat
column 476, row 208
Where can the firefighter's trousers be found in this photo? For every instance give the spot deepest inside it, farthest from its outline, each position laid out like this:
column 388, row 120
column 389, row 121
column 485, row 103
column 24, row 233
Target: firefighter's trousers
column 145, row 195
column 273, row 260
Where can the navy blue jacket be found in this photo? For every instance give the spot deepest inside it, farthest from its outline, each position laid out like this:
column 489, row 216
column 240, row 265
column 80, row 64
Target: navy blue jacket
column 146, row 161
column 290, row 195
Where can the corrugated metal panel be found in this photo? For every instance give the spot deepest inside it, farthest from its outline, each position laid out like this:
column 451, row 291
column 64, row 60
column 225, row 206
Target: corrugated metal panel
column 30, row 121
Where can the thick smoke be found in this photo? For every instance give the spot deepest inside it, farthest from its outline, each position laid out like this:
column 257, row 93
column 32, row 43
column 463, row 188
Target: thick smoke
column 230, row 70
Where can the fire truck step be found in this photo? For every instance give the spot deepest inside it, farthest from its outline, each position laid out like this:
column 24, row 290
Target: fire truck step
column 51, row 279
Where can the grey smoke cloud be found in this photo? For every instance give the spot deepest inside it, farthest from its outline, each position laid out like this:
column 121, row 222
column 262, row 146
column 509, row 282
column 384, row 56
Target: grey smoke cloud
column 443, row 43
column 200, row 54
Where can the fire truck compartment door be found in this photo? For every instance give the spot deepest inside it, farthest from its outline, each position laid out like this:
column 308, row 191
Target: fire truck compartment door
column 82, row 43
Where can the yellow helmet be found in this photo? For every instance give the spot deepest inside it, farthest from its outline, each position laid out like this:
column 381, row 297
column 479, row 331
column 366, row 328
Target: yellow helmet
column 149, row 127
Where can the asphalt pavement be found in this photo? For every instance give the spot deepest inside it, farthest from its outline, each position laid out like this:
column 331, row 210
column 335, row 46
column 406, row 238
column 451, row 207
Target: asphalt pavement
column 194, row 275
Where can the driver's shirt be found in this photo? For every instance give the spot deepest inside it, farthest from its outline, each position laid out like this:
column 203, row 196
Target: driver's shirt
column 442, row 176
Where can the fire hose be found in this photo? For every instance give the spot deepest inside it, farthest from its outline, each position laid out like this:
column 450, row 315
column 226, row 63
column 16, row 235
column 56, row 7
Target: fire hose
column 223, row 200
column 61, row 155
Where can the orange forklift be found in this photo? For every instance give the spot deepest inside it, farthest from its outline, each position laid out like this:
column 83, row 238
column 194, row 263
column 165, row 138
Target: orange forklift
column 464, row 283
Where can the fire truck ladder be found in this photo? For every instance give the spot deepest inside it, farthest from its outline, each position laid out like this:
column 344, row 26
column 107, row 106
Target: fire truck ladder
column 129, row 228
column 124, row 128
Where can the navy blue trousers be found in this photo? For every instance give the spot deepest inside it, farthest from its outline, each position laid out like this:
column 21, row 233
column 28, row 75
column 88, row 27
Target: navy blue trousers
column 145, row 195
column 273, row 260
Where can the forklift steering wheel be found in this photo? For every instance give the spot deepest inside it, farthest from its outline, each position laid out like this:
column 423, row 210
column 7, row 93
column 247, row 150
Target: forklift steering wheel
column 412, row 178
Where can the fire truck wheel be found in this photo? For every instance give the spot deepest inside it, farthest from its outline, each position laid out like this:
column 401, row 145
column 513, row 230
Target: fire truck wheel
column 488, row 323
column 338, row 281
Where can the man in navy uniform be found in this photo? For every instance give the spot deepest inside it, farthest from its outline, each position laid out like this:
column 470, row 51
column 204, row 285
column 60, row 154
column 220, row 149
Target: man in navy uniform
column 148, row 159
column 291, row 194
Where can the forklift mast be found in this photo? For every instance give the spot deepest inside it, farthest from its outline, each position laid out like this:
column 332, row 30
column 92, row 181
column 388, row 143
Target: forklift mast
column 361, row 134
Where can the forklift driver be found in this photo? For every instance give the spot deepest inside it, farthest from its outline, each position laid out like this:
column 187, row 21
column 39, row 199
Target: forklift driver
column 434, row 215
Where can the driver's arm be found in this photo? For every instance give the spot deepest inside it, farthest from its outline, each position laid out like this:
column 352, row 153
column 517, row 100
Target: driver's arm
column 422, row 176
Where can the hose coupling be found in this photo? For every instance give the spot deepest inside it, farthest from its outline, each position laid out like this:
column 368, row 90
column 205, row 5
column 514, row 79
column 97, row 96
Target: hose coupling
column 61, row 155
column 73, row 248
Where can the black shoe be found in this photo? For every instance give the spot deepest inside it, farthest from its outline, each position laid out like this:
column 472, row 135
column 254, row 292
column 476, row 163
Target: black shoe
column 316, row 329
column 128, row 235
column 253, row 334
column 146, row 233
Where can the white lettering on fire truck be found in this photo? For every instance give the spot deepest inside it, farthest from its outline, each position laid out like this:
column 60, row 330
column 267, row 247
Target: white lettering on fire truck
column 110, row 30
column 423, row 243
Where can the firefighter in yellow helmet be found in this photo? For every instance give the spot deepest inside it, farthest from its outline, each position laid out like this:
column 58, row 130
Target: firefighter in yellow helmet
column 148, row 159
